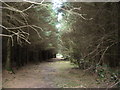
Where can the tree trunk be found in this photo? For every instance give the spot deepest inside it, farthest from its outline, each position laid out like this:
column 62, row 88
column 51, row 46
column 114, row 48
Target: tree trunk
column 8, row 58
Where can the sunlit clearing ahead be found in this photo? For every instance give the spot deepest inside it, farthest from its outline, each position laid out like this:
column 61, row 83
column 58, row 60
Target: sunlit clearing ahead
column 59, row 55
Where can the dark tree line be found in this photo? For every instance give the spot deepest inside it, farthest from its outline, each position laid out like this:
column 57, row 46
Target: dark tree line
column 27, row 35
column 95, row 41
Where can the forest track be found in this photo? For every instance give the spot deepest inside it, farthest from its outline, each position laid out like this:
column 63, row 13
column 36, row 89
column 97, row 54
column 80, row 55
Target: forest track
column 52, row 74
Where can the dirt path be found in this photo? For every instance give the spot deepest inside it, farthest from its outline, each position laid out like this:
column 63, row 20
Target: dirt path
column 56, row 74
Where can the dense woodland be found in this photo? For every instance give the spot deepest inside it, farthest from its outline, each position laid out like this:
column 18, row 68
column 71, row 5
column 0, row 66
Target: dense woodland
column 87, row 35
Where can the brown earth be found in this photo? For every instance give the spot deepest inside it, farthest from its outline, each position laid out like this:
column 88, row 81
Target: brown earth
column 54, row 74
